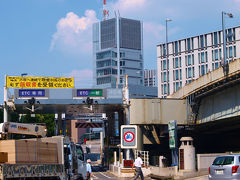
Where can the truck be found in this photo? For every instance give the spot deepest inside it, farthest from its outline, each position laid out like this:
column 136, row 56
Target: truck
column 41, row 157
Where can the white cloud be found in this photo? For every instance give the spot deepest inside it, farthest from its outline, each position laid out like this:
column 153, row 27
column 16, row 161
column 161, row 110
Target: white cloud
column 82, row 78
column 237, row 2
column 153, row 29
column 128, row 5
column 74, row 33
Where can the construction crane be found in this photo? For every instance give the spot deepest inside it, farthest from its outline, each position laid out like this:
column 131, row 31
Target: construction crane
column 22, row 128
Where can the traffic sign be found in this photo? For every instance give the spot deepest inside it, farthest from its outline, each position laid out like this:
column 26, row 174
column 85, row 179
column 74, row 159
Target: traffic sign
column 172, row 129
column 129, row 136
column 89, row 92
column 88, row 125
column 31, row 93
column 39, row 82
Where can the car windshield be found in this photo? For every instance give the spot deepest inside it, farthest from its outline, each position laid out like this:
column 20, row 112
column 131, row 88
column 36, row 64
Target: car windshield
column 224, row 160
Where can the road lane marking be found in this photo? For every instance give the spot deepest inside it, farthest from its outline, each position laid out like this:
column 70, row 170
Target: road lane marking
column 105, row 175
column 95, row 177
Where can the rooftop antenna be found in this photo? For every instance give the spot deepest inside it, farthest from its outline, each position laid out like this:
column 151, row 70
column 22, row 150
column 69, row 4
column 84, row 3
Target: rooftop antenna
column 105, row 11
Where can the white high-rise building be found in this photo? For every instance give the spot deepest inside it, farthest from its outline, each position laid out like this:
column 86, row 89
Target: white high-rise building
column 150, row 77
column 192, row 57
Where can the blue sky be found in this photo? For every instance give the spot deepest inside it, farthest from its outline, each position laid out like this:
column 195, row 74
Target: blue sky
column 53, row 37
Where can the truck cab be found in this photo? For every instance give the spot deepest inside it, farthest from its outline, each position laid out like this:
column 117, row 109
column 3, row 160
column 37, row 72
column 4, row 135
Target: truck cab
column 75, row 163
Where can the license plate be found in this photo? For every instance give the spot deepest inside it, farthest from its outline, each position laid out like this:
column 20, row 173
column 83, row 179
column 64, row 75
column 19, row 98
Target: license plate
column 219, row 171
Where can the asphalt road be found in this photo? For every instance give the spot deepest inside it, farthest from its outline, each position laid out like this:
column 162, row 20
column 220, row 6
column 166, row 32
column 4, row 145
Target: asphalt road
column 199, row 178
column 109, row 176
column 101, row 174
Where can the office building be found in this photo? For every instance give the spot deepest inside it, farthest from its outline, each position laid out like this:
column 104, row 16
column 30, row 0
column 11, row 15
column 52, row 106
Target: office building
column 150, row 77
column 192, row 57
column 117, row 52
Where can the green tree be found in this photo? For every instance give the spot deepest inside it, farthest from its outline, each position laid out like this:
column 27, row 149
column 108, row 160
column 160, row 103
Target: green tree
column 13, row 117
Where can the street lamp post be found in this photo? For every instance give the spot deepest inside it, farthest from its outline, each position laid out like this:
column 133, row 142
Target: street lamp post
column 224, row 60
column 166, row 48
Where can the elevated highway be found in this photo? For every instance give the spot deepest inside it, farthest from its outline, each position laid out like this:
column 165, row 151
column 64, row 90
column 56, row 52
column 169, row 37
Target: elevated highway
column 214, row 96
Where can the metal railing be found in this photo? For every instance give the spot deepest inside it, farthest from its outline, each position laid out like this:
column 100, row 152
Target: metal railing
column 145, row 156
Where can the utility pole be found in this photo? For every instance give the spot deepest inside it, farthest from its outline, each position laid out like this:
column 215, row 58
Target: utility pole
column 168, row 86
column 5, row 110
column 126, row 102
column 224, row 60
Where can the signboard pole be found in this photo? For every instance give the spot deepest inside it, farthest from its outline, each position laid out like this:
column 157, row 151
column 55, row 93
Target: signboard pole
column 126, row 101
column 5, row 111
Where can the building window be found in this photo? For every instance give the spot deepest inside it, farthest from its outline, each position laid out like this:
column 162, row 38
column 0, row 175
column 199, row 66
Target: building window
column 180, row 74
column 205, row 40
column 229, row 35
column 201, row 42
column 188, row 44
column 164, row 65
column 206, row 55
column 122, row 71
column 189, row 60
column 202, row 57
column 177, row 86
column 202, row 70
column 216, row 65
column 215, row 39
column 219, row 37
column 165, row 76
column 176, row 63
column 230, row 52
column 177, row 75
column 165, row 88
column 220, row 53
column 216, row 54
column 234, row 34
column 193, row 72
column 176, row 47
column 193, row 59
column 103, row 80
column 199, row 59
column 234, row 50
column 103, row 55
column 189, row 72
column 180, row 49
column 122, row 63
column 164, row 50
column 192, row 43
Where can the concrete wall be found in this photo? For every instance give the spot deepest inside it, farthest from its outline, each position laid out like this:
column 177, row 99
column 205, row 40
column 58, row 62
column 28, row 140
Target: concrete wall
column 157, row 111
column 205, row 160
column 221, row 105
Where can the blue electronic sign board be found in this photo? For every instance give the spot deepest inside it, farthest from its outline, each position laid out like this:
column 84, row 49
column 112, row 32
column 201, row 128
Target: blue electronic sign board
column 31, row 93
column 89, row 92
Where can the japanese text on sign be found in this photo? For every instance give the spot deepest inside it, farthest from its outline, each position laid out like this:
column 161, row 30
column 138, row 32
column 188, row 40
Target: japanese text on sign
column 32, row 93
column 89, row 92
column 39, row 82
